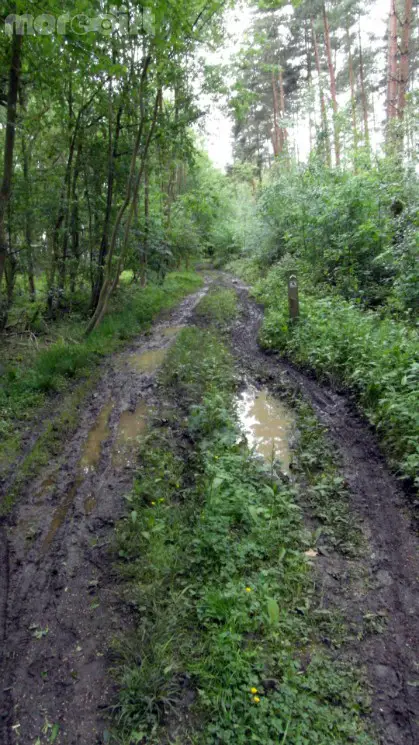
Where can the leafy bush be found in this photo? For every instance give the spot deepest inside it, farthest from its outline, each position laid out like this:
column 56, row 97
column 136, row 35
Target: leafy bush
column 376, row 358
column 353, row 233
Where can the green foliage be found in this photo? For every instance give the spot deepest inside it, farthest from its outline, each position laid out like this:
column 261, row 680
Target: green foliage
column 224, row 650
column 376, row 358
column 28, row 378
column 219, row 306
column 342, row 231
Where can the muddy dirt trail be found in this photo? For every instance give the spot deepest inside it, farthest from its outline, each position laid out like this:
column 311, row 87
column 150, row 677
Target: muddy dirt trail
column 59, row 600
column 383, row 583
column 59, row 606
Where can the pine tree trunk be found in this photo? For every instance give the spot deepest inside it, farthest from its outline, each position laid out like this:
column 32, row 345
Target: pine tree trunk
column 404, row 58
column 363, row 93
column 321, row 93
column 275, row 133
column 352, row 86
column 284, row 133
column 392, row 64
column 5, row 188
column 332, row 84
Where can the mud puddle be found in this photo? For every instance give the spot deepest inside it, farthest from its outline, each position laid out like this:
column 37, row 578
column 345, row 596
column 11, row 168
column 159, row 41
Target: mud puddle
column 267, row 423
column 88, row 463
column 148, row 361
column 172, row 331
column 56, row 556
column 97, row 435
column 132, row 425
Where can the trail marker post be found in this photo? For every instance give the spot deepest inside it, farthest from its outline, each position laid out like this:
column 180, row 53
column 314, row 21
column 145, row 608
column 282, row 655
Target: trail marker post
column 293, row 301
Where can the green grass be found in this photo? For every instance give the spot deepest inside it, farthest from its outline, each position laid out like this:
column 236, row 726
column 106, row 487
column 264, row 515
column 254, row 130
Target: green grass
column 63, row 356
column 376, row 358
column 218, row 306
column 212, row 552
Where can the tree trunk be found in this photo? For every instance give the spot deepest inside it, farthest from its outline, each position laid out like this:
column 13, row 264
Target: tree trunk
column 275, row 133
column 5, row 188
column 332, row 84
column 113, row 152
column 321, row 93
column 109, row 284
column 404, row 57
column 352, row 85
column 74, row 223
column 392, row 64
column 28, row 222
column 144, row 257
column 363, row 93
column 284, row 133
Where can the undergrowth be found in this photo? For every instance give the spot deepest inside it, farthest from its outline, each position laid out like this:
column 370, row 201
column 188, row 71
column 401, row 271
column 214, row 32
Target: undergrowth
column 212, row 552
column 219, row 305
column 29, row 382
column 377, row 359
column 62, row 355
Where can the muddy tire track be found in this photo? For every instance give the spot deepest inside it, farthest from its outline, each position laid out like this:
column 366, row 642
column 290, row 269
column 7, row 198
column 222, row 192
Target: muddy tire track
column 387, row 577
column 59, row 606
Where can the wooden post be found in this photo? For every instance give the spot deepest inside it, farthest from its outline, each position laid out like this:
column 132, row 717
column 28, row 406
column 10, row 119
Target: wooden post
column 293, row 302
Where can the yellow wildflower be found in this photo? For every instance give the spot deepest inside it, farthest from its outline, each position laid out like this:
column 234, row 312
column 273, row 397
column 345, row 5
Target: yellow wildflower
column 153, row 503
column 248, row 589
column 253, row 690
column 256, row 699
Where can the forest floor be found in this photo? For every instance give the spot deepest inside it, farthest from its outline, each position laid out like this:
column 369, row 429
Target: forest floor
column 60, row 600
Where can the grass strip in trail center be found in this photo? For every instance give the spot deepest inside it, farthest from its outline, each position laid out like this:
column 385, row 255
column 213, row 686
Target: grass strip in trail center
column 212, row 553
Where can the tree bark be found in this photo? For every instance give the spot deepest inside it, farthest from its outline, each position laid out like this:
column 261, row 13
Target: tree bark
column 321, row 93
column 284, row 133
column 5, row 188
column 113, row 151
column 332, row 84
column 144, row 257
column 392, row 64
column 109, row 284
column 352, row 86
column 404, row 58
column 275, row 133
column 363, row 93
column 28, row 222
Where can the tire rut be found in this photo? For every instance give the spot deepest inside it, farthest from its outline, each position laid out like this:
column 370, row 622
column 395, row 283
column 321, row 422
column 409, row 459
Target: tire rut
column 59, row 609
column 391, row 564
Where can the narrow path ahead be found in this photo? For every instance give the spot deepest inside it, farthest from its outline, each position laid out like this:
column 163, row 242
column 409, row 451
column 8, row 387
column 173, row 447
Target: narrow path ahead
column 62, row 610
column 59, row 605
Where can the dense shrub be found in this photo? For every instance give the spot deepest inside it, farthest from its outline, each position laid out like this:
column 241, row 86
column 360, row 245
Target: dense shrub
column 376, row 358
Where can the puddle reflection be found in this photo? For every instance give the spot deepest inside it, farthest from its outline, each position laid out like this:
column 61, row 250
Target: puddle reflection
column 267, row 423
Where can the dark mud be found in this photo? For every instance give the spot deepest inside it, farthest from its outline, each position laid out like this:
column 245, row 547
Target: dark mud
column 59, row 606
column 382, row 585
column 59, row 600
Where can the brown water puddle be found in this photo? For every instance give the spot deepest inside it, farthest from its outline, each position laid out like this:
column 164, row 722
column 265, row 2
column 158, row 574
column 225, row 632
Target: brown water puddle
column 60, row 515
column 147, row 361
column 267, row 423
column 172, row 331
column 97, row 435
column 88, row 461
column 132, row 424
